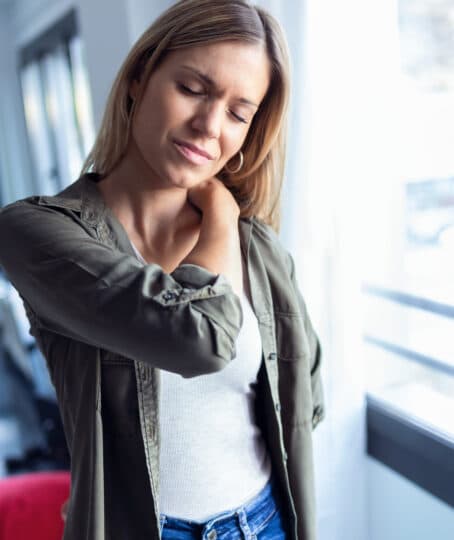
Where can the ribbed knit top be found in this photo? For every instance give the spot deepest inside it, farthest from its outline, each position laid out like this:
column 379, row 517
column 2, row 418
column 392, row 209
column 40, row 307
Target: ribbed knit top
column 213, row 457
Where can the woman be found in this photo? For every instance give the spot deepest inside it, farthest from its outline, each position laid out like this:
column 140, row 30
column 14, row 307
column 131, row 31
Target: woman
column 185, row 364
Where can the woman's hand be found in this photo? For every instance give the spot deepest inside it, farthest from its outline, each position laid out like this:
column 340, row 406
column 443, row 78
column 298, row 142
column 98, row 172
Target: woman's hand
column 218, row 246
column 212, row 196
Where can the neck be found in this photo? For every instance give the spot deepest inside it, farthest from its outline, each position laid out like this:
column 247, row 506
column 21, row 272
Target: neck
column 144, row 207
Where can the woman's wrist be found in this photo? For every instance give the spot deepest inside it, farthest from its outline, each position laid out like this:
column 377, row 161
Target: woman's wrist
column 218, row 247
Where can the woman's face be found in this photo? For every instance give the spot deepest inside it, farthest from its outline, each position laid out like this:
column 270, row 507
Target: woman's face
column 196, row 111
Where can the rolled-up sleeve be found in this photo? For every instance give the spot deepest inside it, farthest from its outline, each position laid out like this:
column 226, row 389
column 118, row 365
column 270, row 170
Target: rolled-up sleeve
column 186, row 322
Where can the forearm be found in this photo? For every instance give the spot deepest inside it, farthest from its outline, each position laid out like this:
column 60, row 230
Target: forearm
column 77, row 287
column 218, row 249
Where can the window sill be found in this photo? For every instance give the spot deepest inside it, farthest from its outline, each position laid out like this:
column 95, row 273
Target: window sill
column 402, row 434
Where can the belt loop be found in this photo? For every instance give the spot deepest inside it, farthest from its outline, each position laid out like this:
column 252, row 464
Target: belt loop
column 244, row 525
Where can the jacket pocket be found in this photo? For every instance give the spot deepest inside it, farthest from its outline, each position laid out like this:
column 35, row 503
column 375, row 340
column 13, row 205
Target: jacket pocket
column 292, row 342
column 293, row 356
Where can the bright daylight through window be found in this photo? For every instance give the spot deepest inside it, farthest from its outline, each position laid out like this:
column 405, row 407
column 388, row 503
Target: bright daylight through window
column 411, row 317
column 57, row 106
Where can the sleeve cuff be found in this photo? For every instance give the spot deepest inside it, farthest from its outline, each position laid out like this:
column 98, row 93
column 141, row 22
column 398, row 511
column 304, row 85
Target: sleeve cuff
column 196, row 277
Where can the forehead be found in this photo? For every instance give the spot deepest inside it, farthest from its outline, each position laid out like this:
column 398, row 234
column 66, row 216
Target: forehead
column 231, row 65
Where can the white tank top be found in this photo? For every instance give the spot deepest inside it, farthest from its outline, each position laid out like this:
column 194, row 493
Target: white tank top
column 213, row 457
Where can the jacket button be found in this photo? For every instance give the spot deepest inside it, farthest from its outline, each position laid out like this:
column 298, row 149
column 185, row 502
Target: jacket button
column 278, row 407
column 169, row 296
column 272, row 356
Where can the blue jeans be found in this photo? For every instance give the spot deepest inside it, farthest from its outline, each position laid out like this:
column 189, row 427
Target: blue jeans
column 262, row 518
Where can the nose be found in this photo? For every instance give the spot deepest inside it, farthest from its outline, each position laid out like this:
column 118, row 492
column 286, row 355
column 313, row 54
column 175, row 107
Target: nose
column 208, row 119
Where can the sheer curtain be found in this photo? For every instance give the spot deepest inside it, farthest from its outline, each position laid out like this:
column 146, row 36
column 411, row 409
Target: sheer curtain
column 341, row 147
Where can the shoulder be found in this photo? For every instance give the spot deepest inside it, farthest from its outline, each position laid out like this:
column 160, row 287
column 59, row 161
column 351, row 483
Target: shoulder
column 30, row 212
column 15, row 210
column 39, row 219
column 67, row 201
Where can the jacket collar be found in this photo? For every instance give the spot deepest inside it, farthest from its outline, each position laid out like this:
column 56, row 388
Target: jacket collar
column 84, row 197
column 81, row 196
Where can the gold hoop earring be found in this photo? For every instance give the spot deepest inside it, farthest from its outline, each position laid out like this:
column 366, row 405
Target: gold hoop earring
column 238, row 169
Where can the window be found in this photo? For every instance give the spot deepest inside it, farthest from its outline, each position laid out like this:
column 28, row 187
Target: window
column 410, row 314
column 57, row 105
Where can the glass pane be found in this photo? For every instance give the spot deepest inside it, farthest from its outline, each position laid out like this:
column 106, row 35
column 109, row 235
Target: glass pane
column 58, row 92
column 82, row 100
column 38, row 129
column 410, row 320
column 427, row 45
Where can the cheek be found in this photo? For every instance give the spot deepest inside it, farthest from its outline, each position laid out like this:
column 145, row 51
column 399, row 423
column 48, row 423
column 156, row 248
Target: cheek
column 145, row 126
column 157, row 116
column 172, row 110
column 233, row 141
column 179, row 109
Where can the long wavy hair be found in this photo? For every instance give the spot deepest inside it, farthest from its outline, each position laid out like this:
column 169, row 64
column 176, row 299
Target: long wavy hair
column 257, row 186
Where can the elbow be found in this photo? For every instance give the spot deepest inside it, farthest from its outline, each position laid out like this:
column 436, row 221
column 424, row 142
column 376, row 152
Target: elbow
column 214, row 347
column 204, row 367
column 211, row 357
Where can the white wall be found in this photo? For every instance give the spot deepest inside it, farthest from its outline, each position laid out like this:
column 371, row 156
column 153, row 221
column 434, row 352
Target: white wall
column 106, row 42
column 142, row 13
column 400, row 510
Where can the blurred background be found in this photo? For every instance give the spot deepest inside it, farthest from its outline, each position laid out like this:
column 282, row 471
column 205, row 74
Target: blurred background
column 368, row 213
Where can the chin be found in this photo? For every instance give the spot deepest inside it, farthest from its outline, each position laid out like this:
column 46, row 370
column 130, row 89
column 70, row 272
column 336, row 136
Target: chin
column 187, row 181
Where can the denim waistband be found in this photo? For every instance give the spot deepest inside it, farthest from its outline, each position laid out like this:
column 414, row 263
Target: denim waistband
column 241, row 522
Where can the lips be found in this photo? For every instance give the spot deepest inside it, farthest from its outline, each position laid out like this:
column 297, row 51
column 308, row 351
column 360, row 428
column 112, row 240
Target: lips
column 192, row 152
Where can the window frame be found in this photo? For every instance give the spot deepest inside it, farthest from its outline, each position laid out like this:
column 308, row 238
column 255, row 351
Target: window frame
column 398, row 441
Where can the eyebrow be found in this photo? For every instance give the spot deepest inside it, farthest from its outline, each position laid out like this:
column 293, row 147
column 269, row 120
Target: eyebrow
column 208, row 80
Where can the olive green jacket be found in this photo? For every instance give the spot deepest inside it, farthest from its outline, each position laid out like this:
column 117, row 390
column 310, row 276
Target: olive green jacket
column 107, row 325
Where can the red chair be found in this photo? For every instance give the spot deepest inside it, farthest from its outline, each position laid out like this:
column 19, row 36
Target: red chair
column 30, row 505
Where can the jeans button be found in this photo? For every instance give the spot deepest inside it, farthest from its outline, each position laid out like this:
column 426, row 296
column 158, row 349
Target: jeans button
column 212, row 535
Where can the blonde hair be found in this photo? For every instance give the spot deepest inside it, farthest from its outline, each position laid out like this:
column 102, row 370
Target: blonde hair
column 257, row 186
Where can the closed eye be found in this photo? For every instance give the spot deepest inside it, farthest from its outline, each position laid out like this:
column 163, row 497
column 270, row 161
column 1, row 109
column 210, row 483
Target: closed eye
column 190, row 91
column 239, row 118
